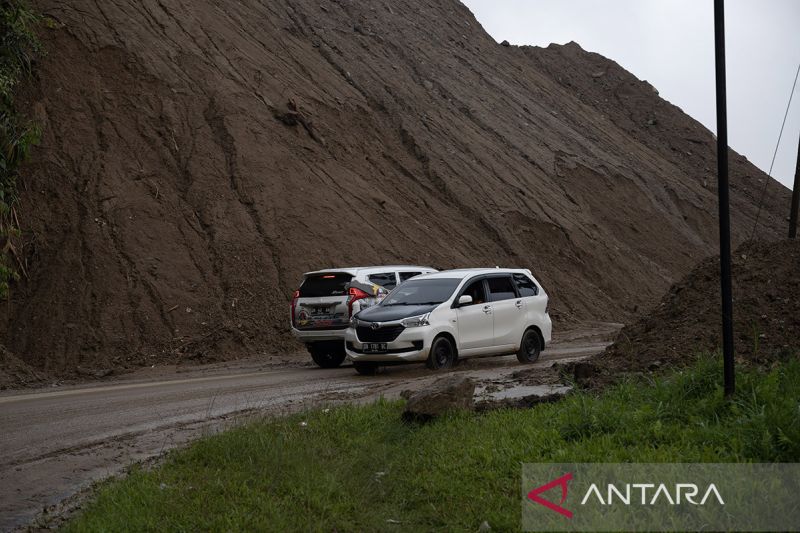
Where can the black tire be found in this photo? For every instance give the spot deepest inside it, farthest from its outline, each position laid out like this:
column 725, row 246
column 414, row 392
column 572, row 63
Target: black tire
column 442, row 354
column 327, row 355
column 367, row 369
column 530, row 347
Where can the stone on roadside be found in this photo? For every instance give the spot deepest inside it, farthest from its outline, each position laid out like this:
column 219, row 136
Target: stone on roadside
column 94, row 373
column 451, row 393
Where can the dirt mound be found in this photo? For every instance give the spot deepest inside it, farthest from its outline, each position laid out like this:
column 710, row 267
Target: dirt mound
column 199, row 156
column 766, row 291
column 16, row 373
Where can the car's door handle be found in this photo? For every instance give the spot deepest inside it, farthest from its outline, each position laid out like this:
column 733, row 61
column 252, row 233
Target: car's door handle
column 487, row 309
column 519, row 304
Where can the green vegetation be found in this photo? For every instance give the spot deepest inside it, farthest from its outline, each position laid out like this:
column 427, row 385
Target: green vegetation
column 361, row 469
column 18, row 46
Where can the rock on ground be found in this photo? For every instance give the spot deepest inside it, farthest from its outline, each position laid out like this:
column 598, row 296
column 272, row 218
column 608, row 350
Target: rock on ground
column 451, row 393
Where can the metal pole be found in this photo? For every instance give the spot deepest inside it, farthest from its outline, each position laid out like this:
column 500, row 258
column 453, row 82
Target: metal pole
column 795, row 198
column 724, row 203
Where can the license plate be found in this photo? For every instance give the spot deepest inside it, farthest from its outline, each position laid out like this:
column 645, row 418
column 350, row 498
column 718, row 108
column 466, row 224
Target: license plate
column 375, row 347
column 320, row 311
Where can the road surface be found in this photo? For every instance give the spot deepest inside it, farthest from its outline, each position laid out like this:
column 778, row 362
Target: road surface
column 56, row 442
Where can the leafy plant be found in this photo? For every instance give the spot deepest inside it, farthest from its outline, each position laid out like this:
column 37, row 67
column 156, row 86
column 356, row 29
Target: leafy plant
column 19, row 45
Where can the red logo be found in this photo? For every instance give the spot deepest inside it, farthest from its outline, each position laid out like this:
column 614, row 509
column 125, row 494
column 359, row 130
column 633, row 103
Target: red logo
column 562, row 481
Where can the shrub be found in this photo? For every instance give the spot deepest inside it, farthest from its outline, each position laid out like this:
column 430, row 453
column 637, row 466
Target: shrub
column 18, row 46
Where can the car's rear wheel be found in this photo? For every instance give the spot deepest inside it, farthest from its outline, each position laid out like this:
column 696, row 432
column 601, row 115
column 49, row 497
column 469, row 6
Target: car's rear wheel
column 327, row 354
column 367, row 369
column 442, row 354
column 530, row 347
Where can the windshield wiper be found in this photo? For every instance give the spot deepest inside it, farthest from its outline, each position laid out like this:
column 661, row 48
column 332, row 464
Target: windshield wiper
column 425, row 303
column 397, row 303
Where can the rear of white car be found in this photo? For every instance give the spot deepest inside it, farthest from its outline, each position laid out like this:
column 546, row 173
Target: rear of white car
column 439, row 317
column 321, row 308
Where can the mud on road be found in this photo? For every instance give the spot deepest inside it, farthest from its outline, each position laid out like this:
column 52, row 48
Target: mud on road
column 55, row 443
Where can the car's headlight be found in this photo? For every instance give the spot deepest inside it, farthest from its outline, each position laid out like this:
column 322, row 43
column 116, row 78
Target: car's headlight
column 416, row 321
column 353, row 321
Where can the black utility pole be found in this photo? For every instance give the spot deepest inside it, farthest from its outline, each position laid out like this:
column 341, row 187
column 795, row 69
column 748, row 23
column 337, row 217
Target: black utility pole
column 795, row 198
column 724, row 203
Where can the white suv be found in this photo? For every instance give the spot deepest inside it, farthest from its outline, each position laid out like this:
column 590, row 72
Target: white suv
column 321, row 308
column 453, row 314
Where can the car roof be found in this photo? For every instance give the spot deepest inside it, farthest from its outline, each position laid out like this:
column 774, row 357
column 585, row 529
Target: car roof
column 461, row 273
column 354, row 270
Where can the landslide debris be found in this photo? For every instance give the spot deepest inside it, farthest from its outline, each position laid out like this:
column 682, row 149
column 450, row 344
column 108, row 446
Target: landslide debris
column 766, row 292
column 15, row 373
column 197, row 157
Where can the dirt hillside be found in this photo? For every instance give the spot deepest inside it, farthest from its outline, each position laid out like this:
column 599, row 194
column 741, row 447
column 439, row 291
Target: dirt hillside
column 199, row 156
column 766, row 292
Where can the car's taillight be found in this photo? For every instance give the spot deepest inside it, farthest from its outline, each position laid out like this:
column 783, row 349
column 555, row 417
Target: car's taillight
column 354, row 295
column 292, row 306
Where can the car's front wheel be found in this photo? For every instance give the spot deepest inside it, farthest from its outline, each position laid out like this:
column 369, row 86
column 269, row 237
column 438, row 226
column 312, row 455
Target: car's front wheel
column 530, row 347
column 327, row 355
column 442, row 354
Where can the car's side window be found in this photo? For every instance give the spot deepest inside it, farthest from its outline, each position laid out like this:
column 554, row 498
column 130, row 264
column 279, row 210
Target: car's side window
column 501, row 288
column 384, row 279
column 408, row 275
column 526, row 285
column 476, row 290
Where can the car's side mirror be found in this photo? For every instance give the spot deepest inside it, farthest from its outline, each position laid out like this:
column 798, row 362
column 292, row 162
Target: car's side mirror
column 464, row 299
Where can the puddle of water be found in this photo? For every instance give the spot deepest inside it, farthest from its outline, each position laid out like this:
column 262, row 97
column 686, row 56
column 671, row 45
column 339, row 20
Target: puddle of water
column 523, row 391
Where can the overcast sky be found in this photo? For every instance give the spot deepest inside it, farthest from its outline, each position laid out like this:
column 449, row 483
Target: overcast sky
column 670, row 43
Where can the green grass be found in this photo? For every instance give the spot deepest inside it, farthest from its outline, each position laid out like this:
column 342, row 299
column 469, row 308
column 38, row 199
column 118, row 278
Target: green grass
column 358, row 468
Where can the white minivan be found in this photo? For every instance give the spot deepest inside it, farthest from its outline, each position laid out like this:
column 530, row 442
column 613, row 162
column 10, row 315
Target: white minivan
column 321, row 308
column 449, row 315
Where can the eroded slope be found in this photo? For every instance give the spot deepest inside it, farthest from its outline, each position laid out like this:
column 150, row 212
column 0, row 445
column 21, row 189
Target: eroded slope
column 198, row 156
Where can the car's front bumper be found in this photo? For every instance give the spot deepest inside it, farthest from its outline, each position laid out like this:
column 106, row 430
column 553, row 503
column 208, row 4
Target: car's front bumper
column 412, row 345
column 309, row 336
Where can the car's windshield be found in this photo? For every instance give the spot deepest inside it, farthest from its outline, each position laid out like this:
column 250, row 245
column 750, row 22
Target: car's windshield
column 422, row 292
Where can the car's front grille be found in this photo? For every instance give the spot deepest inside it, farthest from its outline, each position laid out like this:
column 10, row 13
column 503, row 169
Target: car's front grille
column 381, row 334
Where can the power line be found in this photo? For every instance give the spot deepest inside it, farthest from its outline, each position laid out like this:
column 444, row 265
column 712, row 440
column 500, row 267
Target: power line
column 775, row 153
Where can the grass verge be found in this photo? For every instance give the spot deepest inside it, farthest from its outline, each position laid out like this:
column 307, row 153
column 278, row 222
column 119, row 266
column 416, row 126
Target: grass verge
column 362, row 469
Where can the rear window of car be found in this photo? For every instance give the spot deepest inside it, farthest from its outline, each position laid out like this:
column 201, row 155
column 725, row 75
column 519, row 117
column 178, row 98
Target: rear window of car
column 501, row 289
column 526, row 285
column 384, row 279
column 320, row 285
column 408, row 275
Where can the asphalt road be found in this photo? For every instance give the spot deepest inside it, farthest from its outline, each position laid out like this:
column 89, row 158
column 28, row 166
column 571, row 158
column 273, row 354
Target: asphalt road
column 54, row 443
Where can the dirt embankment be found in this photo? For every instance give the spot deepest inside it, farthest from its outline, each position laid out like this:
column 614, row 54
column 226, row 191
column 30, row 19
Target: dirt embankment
column 766, row 292
column 16, row 373
column 198, row 157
